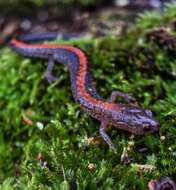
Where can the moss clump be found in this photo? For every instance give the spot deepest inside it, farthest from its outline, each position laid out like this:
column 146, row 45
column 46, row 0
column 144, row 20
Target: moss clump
column 45, row 138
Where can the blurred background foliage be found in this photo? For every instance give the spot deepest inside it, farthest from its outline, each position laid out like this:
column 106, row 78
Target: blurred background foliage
column 31, row 6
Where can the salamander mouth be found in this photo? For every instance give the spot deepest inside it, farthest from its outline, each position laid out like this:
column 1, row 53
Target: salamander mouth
column 134, row 129
column 150, row 127
column 146, row 129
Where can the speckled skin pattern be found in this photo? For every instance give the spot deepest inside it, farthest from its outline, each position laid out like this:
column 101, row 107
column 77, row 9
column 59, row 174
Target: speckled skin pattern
column 123, row 116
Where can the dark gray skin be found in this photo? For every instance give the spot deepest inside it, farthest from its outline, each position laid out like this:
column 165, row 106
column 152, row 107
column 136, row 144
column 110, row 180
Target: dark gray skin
column 135, row 120
column 128, row 117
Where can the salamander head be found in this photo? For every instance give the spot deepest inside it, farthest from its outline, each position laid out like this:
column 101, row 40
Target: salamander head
column 136, row 120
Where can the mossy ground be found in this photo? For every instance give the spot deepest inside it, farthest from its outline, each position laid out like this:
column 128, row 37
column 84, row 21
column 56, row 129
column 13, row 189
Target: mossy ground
column 44, row 135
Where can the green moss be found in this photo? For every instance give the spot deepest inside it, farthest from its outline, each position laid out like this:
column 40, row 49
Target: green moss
column 54, row 151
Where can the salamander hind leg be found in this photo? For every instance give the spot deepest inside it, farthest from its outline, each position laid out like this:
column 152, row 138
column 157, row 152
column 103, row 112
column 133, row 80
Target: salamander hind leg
column 127, row 97
column 105, row 135
column 49, row 76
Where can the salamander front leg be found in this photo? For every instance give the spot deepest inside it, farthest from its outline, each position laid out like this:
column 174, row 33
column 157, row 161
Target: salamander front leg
column 105, row 136
column 127, row 97
column 49, row 76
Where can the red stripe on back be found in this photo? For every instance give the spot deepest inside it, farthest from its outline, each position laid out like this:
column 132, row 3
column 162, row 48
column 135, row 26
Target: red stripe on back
column 82, row 70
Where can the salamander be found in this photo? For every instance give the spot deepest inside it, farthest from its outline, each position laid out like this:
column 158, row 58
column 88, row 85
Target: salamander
column 126, row 116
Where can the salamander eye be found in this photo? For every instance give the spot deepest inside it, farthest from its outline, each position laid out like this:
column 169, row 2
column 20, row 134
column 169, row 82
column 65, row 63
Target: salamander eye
column 148, row 112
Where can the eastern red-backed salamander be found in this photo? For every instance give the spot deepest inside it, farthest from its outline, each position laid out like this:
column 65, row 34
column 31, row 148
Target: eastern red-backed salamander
column 123, row 116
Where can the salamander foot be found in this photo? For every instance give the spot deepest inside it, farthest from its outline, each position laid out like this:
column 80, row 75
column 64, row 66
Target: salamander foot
column 106, row 137
column 127, row 97
column 49, row 76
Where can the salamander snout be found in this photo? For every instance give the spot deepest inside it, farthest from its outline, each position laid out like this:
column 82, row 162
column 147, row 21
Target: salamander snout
column 147, row 122
column 152, row 125
column 139, row 121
